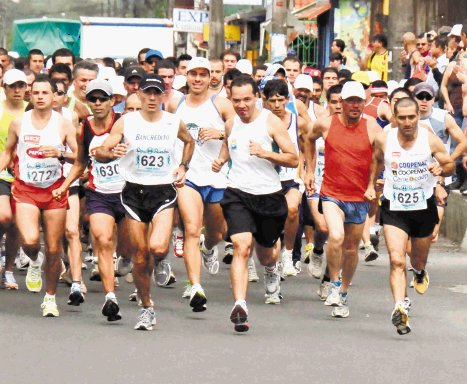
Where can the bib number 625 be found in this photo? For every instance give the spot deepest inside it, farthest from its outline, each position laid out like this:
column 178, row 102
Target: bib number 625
column 408, row 198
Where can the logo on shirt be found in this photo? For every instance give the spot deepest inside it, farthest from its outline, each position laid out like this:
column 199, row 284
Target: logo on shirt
column 396, row 154
column 35, row 139
column 233, row 144
column 35, row 153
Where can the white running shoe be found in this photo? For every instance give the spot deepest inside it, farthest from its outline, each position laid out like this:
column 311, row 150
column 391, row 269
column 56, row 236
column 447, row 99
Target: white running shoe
column 370, row 253
column 288, row 268
column 187, row 292
column 123, row 266
column 163, row 273
column 252, row 275
column 239, row 316
column 271, row 281
column 400, row 319
column 323, row 290
column 49, row 307
column 315, row 268
column 197, row 298
column 146, row 319
column 9, row 281
column 178, row 242
column 273, row 298
column 210, row 259
column 342, row 310
column 334, row 297
column 22, row 260
column 34, row 278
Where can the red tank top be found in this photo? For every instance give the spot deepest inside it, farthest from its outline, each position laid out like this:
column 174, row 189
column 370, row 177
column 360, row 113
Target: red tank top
column 371, row 109
column 347, row 159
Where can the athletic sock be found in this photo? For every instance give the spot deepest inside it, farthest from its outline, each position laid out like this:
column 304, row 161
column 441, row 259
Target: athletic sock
column 416, row 271
column 336, row 283
column 343, row 294
column 47, row 296
column 110, row 296
column 326, row 279
column 319, row 252
column 8, row 273
column 240, row 302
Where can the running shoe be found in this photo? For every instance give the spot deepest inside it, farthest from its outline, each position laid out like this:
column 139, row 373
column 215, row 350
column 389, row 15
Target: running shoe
column 400, row 319
column 49, row 307
column 370, row 253
column 273, row 298
column 187, row 292
column 22, row 260
column 95, row 275
column 123, row 266
column 76, row 296
column 374, row 239
column 342, row 309
column 288, row 268
column 84, row 266
column 239, row 316
column 110, row 309
column 89, row 255
column 146, row 319
column 334, row 297
column 140, row 302
column 65, row 276
column 361, row 246
column 210, row 259
column 407, row 304
column 252, row 275
column 133, row 296
column 178, row 242
column 228, row 253
column 308, row 251
column 9, row 281
column 197, row 298
column 83, row 288
column 34, row 278
column 323, row 290
column 421, row 281
column 163, row 273
column 271, row 281
column 315, row 268
column 297, row 264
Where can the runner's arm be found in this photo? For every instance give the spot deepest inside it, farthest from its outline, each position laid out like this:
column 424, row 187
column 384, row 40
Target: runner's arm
column 189, row 143
column 12, row 139
column 377, row 165
column 445, row 165
column 456, row 133
column 112, row 148
column 224, row 156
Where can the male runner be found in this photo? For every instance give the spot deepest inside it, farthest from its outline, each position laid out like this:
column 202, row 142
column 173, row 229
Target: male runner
column 413, row 157
column 39, row 139
column 253, row 204
column 150, row 172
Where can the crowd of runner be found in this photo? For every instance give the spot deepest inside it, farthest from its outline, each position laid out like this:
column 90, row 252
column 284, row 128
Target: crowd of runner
column 116, row 160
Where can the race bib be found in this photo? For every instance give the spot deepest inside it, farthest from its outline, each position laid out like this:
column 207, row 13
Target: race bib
column 153, row 161
column 413, row 200
column 107, row 173
column 41, row 175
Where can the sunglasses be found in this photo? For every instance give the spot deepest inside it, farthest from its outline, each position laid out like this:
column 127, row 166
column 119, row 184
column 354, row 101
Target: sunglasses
column 93, row 99
column 424, row 96
column 60, row 93
column 152, row 62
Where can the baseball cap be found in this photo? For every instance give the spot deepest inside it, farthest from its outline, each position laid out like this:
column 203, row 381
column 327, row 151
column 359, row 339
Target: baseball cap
column 152, row 81
column 456, row 30
column 353, row 89
column 129, row 61
column 154, row 52
column 99, row 85
column 106, row 73
column 264, row 81
column 116, row 83
column 244, row 66
column 424, row 87
column 198, row 62
column 314, row 72
column 179, row 82
column 274, row 68
column 13, row 76
column 373, row 76
column 134, row 71
column 303, row 81
column 361, row 77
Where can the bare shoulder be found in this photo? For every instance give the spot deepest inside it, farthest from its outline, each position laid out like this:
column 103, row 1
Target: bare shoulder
column 173, row 104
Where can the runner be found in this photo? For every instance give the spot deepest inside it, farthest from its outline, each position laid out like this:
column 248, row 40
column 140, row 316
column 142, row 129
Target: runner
column 148, row 167
column 39, row 139
column 199, row 200
column 253, row 204
column 409, row 207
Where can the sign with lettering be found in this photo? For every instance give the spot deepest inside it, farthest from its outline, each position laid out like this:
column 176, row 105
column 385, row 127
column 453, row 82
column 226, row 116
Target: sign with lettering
column 189, row 20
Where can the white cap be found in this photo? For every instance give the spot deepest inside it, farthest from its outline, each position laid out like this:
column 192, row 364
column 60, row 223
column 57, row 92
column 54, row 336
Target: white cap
column 179, row 82
column 274, row 68
column 106, row 73
column 353, row 89
column 13, row 54
column 456, row 30
column 13, row 76
column 244, row 66
column 392, row 85
column 303, row 81
column 116, row 83
column 198, row 62
column 373, row 76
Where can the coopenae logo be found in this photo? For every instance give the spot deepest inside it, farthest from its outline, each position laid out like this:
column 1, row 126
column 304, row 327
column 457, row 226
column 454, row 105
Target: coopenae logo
column 35, row 153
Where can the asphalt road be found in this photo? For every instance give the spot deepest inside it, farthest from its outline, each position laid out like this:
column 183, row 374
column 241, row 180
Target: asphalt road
column 297, row 341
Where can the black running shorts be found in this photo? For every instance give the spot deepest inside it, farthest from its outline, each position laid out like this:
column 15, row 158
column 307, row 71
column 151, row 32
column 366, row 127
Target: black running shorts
column 5, row 188
column 144, row 202
column 262, row 215
column 415, row 223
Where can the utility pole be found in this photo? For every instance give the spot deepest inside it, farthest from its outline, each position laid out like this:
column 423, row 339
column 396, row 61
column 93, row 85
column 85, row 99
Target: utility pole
column 278, row 43
column 216, row 28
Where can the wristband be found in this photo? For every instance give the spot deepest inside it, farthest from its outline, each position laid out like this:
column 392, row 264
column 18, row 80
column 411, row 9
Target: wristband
column 185, row 164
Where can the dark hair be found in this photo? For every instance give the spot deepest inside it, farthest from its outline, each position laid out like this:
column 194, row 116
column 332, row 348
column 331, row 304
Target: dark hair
column 318, row 80
column 336, row 56
column 231, row 75
column 340, row 43
column 397, row 90
column 183, row 57
column 21, row 63
column 85, row 64
column 381, row 37
column 166, row 64
column 293, row 59
column 144, row 50
column 344, row 73
column 335, row 89
column 230, row 52
column 63, row 52
column 412, row 82
column 405, row 102
column 242, row 80
column 109, row 62
column 260, row 67
column 171, row 59
column 276, row 87
column 42, row 78
column 59, row 81
column 379, row 84
column 60, row 68
column 35, row 52
column 441, row 42
column 329, row 69
column 3, row 51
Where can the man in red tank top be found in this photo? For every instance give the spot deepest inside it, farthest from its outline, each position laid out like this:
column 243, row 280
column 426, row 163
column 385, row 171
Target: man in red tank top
column 348, row 151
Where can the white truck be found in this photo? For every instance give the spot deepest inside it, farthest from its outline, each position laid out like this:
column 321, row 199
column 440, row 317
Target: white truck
column 124, row 37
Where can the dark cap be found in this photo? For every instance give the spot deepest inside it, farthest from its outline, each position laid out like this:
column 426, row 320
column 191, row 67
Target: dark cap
column 152, row 81
column 154, row 52
column 129, row 61
column 424, row 87
column 135, row 71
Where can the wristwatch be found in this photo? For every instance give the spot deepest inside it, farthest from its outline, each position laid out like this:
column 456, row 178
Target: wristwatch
column 62, row 156
column 185, row 164
column 441, row 183
column 221, row 135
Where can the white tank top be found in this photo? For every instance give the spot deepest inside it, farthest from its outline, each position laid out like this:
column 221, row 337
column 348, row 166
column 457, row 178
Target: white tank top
column 34, row 169
column 68, row 115
column 151, row 148
column 311, row 111
column 250, row 173
column 205, row 115
column 408, row 183
column 287, row 173
column 103, row 177
column 319, row 170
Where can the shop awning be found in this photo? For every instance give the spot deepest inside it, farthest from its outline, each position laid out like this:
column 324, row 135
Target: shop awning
column 312, row 11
